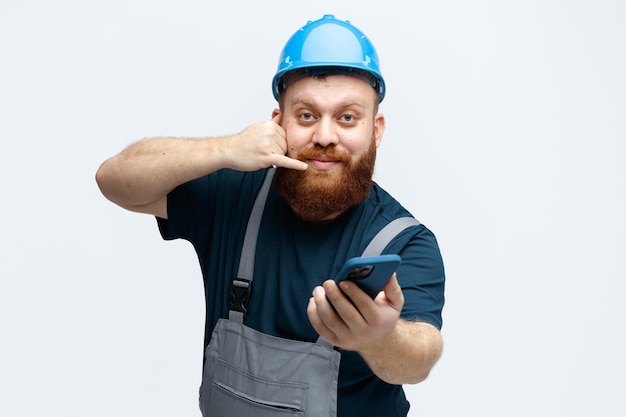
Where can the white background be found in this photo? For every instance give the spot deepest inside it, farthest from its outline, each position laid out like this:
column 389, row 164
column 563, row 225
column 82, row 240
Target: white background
column 506, row 132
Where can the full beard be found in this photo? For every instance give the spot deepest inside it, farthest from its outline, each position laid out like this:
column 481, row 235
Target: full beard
column 320, row 196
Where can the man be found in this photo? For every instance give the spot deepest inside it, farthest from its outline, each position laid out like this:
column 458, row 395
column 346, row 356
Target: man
column 293, row 342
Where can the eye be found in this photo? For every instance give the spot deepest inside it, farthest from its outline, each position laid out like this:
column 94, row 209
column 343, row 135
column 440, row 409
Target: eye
column 306, row 117
column 348, row 118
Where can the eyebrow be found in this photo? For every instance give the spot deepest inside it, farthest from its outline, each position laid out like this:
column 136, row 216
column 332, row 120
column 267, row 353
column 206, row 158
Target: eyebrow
column 309, row 102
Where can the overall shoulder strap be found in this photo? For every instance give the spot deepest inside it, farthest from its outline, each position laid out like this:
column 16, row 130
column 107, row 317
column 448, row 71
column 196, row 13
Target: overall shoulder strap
column 246, row 263
column 240, row 290
column 387, row 233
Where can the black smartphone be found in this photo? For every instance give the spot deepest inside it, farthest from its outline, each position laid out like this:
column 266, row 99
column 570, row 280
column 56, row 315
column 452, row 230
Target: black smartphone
column 370, row 273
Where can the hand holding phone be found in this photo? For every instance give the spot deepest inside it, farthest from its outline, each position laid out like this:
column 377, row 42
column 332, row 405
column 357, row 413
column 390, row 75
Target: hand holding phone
column 370, row 273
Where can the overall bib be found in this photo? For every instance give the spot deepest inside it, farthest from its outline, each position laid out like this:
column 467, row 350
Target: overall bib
column 251, row 374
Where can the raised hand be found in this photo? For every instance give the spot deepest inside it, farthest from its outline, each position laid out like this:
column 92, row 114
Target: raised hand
column 259, row 146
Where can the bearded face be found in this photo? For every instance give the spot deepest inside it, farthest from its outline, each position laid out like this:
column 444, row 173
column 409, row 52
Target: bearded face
column 332, row 123
column 319, row 196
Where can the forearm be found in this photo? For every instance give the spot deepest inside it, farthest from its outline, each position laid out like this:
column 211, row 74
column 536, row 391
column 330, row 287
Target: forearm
column 407, row 354
column 147, row 170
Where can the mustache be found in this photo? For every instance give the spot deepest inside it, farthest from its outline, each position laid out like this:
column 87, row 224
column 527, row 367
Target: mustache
column 328, row 152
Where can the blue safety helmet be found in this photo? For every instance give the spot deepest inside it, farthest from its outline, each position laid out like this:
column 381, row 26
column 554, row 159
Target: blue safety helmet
column 329, row 46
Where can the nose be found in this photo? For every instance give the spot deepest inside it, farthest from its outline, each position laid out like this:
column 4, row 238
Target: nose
column 326, row 133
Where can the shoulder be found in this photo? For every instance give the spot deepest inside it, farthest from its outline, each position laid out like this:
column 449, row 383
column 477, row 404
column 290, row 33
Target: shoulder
column 385, row 204
column 221, row 197
column 415, row 242
column 380, row 209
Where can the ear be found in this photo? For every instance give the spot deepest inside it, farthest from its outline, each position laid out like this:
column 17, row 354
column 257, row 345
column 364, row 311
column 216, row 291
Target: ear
column 275, row 113
column 379, row 128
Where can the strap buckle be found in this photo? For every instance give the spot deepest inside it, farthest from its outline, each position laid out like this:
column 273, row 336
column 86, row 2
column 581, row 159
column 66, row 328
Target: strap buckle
column 240, row 295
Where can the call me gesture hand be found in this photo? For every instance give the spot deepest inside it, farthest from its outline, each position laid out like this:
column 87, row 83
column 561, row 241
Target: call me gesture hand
column 259, row 146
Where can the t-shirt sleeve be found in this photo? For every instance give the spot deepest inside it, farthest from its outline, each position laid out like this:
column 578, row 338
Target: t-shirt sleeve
column 188, row 211
column 203, row 208
column 421, row 276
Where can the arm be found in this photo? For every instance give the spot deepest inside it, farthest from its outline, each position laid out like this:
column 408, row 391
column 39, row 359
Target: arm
column 397, row 351
column 407, row 355
column 140, row 177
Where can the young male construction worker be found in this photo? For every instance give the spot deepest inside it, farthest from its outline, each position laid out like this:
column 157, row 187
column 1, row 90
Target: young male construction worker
column 273, row 212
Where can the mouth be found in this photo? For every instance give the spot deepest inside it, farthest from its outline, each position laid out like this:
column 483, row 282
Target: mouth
column 323, row 163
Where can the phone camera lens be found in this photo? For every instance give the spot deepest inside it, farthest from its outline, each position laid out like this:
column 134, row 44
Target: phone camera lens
column 364, row 271
column 360, row 272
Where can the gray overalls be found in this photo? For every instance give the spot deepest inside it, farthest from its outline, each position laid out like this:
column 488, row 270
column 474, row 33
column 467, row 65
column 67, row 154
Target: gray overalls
column 251, row 374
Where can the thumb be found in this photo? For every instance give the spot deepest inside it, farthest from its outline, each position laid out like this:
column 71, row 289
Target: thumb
column 393, row 293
